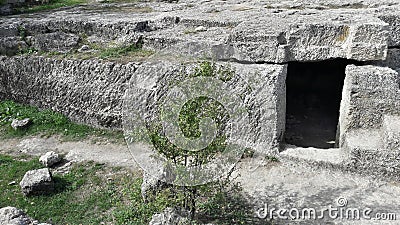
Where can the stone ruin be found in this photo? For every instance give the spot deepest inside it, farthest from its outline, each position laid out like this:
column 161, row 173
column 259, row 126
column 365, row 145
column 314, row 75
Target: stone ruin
column 323, row 74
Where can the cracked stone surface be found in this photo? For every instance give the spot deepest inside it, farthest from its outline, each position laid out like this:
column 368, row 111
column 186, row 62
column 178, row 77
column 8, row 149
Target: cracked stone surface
column 251, row 31
column 287, row 185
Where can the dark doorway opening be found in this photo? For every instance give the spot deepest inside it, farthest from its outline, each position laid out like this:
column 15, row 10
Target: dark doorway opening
column 314, row 92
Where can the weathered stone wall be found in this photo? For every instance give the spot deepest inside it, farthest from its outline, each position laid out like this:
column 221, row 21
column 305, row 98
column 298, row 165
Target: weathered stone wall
column 393, row 20
column 91, row 91
column 261, row 88
column 87, row 91
column 369, row 93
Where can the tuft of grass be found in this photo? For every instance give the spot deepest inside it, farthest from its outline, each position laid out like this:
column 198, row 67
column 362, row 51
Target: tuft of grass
column 135, row 211
column 53, row 4
column 226, row 205
column 28, row 51
column 271, row 158
column 117, row 52
column 46, row 122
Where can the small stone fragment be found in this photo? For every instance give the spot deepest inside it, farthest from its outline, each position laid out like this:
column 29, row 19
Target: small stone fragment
column 37, row 182
column 12, row 215
column 16, row 124
column 63, row 169
column 170, row 216
column 200, row 29
column 49, row 159
column 84, row 48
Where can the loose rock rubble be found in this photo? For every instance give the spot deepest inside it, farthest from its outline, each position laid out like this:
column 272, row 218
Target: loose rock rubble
column 37, row 182
column 49, row 159
column 13, row 216
column 63, row 169
column 170, row 216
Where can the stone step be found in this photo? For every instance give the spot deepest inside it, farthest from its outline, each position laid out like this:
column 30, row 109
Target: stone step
column 315, row 158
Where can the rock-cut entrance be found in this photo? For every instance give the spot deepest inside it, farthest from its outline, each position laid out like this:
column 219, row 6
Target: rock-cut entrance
column 314, row 92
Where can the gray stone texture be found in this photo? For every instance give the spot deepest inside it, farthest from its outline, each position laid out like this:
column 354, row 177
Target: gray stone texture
column 392, row 61
column 391, row 129
column 262, row 88
column 55, row 42
column 13, row 216
column 18, row 124
column 393, row 19
column 170, row 216
column 369, row 93
column 252, row 31
column 369, row 117
column 49, row 159
column 37, row 182
column 12, row 45
column 87, row 91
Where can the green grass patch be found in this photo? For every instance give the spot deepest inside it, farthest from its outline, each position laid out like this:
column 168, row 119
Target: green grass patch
column 134, row 210
column 53, row 4
column 83, row 196
column 67, row 205
column 46, row 122
column 216, row 205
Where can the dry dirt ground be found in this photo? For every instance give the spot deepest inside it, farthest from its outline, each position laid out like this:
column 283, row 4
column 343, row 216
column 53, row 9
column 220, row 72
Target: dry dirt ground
column 112, row 154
